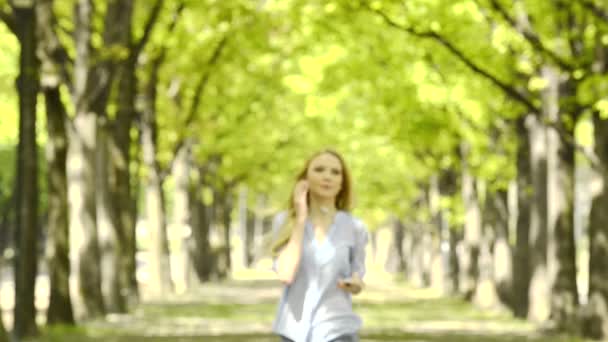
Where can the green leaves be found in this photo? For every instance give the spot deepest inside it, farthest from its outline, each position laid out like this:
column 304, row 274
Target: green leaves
column 9, row 59
column 394, row 85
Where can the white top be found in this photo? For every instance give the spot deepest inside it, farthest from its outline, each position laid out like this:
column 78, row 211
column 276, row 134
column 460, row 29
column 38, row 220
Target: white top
column 313, row 308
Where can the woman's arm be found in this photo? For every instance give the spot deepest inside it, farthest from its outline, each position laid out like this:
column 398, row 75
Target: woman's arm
column 288, row 260
column 355, row 284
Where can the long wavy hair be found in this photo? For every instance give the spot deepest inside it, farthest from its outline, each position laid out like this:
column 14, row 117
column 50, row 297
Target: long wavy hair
column 343, row 199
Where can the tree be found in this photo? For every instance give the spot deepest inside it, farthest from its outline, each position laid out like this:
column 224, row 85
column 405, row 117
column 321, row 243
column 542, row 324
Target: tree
column 53, row 58
column 27, row 172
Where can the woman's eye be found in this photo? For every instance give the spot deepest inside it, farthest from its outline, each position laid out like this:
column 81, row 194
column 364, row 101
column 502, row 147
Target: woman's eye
column 335, row 172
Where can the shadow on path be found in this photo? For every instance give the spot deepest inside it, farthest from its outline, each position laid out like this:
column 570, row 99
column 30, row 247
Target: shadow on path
column 243, row 310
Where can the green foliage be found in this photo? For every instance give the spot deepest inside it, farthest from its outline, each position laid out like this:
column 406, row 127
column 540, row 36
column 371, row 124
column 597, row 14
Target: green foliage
column 395, row 86
column 9, row 69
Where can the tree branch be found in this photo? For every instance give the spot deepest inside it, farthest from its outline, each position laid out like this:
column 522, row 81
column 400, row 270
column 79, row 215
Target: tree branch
column 198, row 94
column 566, row 137
column 531, row 37
column 150, row 22
column 9, row 20
column 508, row 89
column 51, row 49
column 596, row 10
column 202, row 83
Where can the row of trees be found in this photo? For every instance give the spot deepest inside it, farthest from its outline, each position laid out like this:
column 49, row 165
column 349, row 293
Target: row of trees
column 100, row 67
column 487, row 74
column 438, row 106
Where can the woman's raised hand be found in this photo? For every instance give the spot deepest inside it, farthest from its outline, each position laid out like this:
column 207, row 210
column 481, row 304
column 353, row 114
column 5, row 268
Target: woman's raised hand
column 300, row 195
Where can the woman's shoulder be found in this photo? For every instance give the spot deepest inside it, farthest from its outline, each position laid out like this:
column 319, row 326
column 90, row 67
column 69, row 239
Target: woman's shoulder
column 352, row 221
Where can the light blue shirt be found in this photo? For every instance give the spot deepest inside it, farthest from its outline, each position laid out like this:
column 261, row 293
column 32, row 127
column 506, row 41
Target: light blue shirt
column 312, row 308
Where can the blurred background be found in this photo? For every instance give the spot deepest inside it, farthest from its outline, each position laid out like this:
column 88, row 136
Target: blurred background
column 145, row 146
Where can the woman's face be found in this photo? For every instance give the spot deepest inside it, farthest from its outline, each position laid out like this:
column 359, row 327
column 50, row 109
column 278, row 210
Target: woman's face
column 324, row 176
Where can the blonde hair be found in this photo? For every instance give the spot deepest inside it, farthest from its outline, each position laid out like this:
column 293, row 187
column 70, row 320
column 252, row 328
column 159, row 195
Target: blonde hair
column 343, row 200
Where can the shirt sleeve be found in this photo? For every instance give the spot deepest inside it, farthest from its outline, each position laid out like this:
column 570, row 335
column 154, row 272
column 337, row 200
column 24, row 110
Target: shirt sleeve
column 361, row 239
column 277, row 223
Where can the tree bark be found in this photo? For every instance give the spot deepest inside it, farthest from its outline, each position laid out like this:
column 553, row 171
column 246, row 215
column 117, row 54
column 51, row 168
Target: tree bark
column 525, row 200
column 495, row 257
column 58, row 248
column 3, row 334
column 117, row 33
column 84, row 244
column 418, row 268
column 182, row 214
column 539, row 290
column 595, row 324
column 244, row 225
column 108, row 226
column 502, row 251
column 469, row 258
column 226, row 209
column 59, row 310
column 448, row 187
column 440, row 186
column 159, row 266
column 395, row 262
column 258, row 226
column 121, row 163
column 27, row 232
column 199, row 246
column 560, row 179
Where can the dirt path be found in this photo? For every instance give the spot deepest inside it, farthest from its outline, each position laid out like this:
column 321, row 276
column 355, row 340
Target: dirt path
column 243, row 310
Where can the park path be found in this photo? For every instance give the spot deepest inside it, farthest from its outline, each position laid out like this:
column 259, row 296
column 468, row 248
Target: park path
column 242, row 309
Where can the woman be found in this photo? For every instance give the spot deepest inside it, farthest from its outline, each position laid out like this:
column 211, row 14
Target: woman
column 319, row 254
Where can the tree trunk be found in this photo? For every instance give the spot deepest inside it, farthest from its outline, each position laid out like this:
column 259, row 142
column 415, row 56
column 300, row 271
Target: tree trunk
column 258, row 227
column 226, row 208
column 485, row 295
column 454, row 273
column 58, row 249
column 406, row 247
column 560, row 178
column 595, row 324
column 502, row 253
column 525, row 200
column 199, row 246
column 59, row 310
column 182, row 214
column 448, row 187
column 159, row 267
column 3, row 334
column 122, row 194
column 395, row 262
column 417, row 271
column 26, row 257
column 539, row 290
column 245, row 234
column 108, row 227
column 84, row 246
column 115, row 201
column 218, row 256
column 440, row 278
column 469, row 265
column 495, row 257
